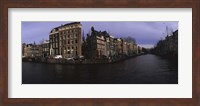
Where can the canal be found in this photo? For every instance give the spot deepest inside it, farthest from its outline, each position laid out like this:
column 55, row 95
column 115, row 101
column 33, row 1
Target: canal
column 144, row 69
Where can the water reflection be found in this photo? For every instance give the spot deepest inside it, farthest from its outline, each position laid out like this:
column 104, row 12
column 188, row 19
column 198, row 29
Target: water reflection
column 145, row 69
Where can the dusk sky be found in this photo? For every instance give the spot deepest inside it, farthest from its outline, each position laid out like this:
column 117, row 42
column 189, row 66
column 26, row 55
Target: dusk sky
column 146, row 34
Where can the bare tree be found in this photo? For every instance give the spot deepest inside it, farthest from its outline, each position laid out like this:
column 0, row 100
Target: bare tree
column 130, row 39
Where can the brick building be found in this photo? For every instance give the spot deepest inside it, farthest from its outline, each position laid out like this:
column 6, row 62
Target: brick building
column 96, row 45
column 65, row 40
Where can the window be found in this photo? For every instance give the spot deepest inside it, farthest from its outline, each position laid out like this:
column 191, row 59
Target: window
column 72, row 42
column 76, row 41
column 72, row 47
column 56, row 44
column 56, row 51
column 68, row 42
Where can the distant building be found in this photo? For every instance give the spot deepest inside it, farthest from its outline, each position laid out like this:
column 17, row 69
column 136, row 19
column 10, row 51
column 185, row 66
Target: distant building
column 130, row 48
column 96, row 45
column 171, row 43
column 110, row 48
column 118, row 46
column 135, row 49
column 168, row 47
column 45, row 48
column 65, row 40
column 40, row 50
column 124, row 47
column 35, row 50
column 23, row 49
column 29, row 50
column 100, row 44
column 139, row 49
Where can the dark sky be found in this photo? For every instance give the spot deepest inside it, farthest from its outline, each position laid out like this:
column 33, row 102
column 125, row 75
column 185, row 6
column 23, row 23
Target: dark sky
column 146, row 33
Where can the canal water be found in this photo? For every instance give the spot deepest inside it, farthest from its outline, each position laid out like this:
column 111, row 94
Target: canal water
column 144, row 69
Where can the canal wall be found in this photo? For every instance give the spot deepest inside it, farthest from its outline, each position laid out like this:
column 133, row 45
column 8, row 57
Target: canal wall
column 84, row 61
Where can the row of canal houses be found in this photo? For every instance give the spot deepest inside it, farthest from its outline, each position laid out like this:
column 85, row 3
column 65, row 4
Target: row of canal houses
column 101, row 44
column 36, row 50
column 68, row 41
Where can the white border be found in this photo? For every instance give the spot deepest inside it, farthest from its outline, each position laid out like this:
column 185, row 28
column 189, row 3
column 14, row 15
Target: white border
column 181, row 90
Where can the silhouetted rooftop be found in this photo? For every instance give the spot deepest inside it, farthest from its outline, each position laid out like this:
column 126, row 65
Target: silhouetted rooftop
column 56, row 28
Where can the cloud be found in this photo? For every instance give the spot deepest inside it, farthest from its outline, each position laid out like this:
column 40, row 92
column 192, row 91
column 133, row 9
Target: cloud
column 145, row 33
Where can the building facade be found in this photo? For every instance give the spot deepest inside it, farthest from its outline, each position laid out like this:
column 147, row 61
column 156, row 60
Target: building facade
column 124, row 47
column 101, row 44
column 36, row 50
column 118, row 46
column 139, row 49
column 28, row 50
column 65, row 40
column 135, row 49
column 31, row 50
column 45, row 48
column 130, row 48
column 23, row 49
column 96, row 45
column 40, row 49
column 110, row 47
